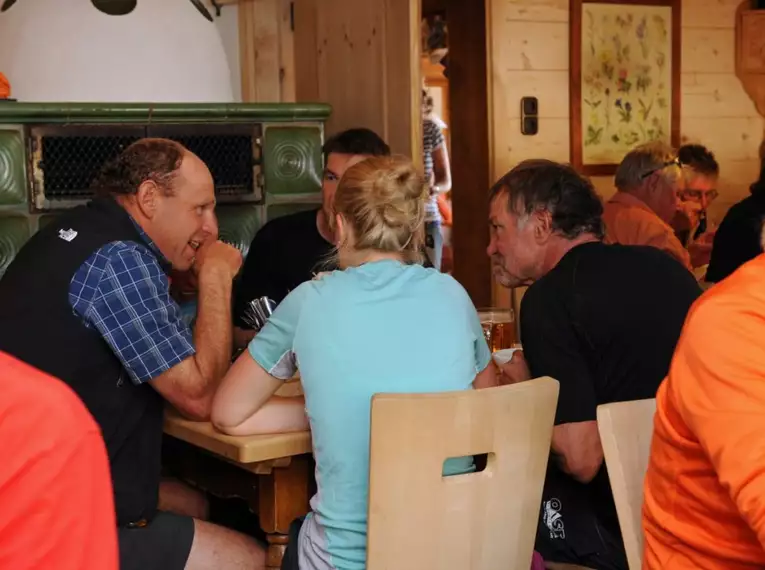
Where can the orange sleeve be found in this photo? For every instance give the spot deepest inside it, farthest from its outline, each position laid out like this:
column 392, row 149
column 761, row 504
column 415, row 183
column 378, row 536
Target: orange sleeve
column 722, row 399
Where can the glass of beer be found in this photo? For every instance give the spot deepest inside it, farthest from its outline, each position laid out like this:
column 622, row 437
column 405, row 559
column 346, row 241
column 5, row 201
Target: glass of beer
column 498, row 328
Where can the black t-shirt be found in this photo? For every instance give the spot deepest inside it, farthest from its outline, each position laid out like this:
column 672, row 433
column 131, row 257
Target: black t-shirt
column 286, row 252
column 737, row 240
column 604, row 322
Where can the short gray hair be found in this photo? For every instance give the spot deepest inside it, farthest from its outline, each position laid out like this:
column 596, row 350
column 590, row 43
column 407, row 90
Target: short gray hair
column 642, row 161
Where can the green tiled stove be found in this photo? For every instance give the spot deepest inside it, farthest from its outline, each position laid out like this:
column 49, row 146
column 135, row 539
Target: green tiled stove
column 265, row 158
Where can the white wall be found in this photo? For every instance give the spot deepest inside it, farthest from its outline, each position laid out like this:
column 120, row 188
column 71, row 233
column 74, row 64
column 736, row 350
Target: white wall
column 67, row 50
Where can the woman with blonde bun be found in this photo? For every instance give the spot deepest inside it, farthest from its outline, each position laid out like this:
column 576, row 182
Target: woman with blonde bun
column 382, row 323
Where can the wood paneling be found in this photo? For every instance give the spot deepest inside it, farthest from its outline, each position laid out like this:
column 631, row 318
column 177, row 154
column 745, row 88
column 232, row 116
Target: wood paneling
column 550, row 87
column 259, row 50
column 708, row 50
column 305, row 44
column 363, row 58
column 351, row 38
column 530, row 11
column 715, row 95
column 532, row 46
column 731, row 138
column 267, row 63
column 403, row 83
column 710, row 13
column 286, row 52
column 551, row 142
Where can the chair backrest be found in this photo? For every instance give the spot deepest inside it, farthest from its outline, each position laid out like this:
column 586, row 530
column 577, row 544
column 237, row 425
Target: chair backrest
column 419, row 519
column 625, row 430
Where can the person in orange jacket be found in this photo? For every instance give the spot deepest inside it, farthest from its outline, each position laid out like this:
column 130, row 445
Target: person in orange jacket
column 706, row 476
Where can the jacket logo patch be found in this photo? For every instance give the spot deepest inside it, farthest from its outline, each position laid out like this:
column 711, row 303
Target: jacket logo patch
column 67, row 235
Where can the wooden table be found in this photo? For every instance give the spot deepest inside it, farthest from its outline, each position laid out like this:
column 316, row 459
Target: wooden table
column 273, row 473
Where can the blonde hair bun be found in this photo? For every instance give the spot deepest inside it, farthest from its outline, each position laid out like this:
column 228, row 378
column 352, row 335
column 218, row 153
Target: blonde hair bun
column 383, row 200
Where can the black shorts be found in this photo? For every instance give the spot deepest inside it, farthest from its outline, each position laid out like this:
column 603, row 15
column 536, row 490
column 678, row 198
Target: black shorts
column 163, row 544
column 290, row 560
column 574, row 527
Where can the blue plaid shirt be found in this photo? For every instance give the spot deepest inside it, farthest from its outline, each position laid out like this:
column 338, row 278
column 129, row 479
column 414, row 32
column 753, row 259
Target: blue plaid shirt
column 123, row 292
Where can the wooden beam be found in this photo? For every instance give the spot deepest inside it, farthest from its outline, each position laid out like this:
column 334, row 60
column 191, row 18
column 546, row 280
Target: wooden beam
column 286, row 52
column 306, row 50
column 259, row 50
column 403, row 78
column 469, row 100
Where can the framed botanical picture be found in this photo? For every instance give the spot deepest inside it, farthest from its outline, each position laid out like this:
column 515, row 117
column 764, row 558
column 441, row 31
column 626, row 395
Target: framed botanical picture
column 625, row 79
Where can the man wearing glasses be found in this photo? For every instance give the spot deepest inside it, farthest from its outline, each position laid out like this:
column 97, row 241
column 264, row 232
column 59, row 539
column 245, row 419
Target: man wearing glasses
column 691, row 223
column 649, row 182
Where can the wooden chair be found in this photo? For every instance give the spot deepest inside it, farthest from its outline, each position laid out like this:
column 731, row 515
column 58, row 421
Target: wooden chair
column 420, row 520
column 625, row 430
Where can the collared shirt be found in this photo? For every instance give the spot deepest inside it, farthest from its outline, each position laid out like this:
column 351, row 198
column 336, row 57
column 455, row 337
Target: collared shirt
column 629, row 221
column 123, row 292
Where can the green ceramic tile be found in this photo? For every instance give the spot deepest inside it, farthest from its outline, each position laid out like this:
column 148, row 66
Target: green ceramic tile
column 111, row 113
column 12, row 171
column 14, row 232
column 238, row 224
column 292, row 160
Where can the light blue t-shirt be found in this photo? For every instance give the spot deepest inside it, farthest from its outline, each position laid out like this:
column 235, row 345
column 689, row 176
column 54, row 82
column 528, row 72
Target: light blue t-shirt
column 382, row 327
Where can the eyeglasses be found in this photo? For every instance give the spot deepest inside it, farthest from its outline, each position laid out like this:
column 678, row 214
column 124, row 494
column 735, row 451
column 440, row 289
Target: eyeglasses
column 673, row 162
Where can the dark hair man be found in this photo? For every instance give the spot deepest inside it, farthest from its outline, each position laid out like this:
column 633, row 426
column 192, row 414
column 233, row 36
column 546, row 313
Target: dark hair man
column 601, row 319
column 289, row 250
column 87, row 300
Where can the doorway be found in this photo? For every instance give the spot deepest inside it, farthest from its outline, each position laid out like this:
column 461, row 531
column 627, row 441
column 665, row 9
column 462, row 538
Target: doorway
column 455, row 76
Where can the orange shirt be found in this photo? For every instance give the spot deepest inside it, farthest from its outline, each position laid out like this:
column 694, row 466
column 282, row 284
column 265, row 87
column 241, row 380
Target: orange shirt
column 56, row 504
column 629, row 221
column 705, row 487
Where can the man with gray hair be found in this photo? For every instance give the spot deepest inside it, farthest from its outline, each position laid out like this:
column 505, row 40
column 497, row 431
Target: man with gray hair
column 649, row 181
column 601, row 319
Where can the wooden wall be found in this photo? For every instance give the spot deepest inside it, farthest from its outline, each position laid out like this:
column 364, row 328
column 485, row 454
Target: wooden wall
column 266, row 58
column 362, row 57
column 529, row 55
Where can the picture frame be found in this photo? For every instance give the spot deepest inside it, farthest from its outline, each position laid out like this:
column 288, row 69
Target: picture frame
column 624, row 79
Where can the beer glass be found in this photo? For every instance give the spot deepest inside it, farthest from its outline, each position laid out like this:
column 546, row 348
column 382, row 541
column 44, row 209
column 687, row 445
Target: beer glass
column 498, row 328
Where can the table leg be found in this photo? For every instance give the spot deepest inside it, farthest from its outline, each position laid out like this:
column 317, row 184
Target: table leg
column 277, row 545
column 283, row 496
